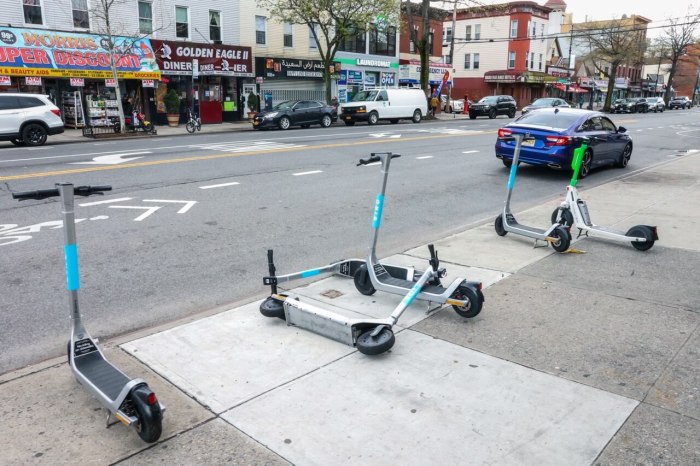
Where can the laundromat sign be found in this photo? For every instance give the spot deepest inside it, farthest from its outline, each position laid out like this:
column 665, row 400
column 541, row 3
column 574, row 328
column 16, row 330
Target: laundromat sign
column 211, row 59
column 37, row 52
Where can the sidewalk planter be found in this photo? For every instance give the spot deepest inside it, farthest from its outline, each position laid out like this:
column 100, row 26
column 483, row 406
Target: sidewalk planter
column 172, row 107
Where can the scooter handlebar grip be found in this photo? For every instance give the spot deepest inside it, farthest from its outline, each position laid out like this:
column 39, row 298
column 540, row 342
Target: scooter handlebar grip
column 393, row 156
column 89, row 190
column 39, row 194
column 374, row 158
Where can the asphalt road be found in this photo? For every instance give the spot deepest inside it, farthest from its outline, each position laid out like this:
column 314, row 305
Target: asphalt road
column 189, row 220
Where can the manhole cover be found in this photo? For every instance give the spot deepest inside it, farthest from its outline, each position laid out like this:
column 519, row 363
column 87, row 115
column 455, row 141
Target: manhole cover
column 332, row 294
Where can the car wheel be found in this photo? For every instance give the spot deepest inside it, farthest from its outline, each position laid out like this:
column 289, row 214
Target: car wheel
column 586, row 164
column 492, row 113
column 448, row 110
column 417, row 116
column 625, row 156
column 472, row 116
column 284, row 123
column 511, row 113
column 34, row 134
column 349, row 123
column 373, row 118
column 326, row 121
column 17, row 142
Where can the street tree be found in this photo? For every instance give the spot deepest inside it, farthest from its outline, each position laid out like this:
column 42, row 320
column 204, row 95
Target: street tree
column 333, row 21
column 609, row 45
column 675, row 40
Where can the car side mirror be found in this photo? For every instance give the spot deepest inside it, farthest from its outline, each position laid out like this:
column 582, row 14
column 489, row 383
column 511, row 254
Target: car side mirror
column 621, row 129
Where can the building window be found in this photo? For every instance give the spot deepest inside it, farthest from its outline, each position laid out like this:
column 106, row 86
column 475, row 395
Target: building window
column 540, row 63
column 145, row 18
column 511, row 60
column 260, row 28
column 430, row 43
column 527, row 31
column 542, row 31
column 447, row 35
column 215, row 26
column 313, row 31
column 514, row 28
column 382, row 41
column 468, row 33
column 532, row 60
column 355, row 41
column 446, row 59
column 534, row 29
column 467, row 61
column 288, row 36
column 477, row 31
column 32, row 12
column 80, row 14
column 476, row 61
column 182, row 26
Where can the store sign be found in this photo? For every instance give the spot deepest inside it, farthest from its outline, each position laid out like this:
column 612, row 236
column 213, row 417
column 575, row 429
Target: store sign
column 291, row 68
column 354, row 77
column 38, row 52
column 372, row 62
column 370, row 79
column 409, row 73
column 110, row 83
column 5, row 81
column 77, row 82
column 209, row 59
column 388, row 79
column 148, row 83
column 501, row 78
column 343, row 77
column 32, row 81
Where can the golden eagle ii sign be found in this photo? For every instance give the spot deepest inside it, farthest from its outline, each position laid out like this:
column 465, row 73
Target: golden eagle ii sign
column 38, row 52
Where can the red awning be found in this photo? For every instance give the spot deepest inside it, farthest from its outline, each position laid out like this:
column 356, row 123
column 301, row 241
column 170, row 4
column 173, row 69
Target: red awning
column 572, row 88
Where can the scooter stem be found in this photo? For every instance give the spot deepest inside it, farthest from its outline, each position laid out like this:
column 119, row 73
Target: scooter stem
column 576, row 162
column 70, row 250
column 379, row 203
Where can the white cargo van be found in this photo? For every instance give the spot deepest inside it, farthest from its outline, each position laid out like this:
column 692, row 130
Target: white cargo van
column 385, row 104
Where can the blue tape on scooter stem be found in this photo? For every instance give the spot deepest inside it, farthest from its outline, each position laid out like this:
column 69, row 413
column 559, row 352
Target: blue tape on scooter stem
column 408, row 299
column 511, row 178
column 378, row 206
column 72, row 278
column 310, row 273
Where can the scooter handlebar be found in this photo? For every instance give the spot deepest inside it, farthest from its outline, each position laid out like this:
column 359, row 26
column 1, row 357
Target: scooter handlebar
column 45, row 193
column 374, row 158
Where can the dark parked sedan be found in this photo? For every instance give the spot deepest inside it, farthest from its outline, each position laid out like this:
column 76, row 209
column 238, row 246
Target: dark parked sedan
column 553, row 131
column 546, row 102
column 492, row 106
column 630, row 105
column 302, row 113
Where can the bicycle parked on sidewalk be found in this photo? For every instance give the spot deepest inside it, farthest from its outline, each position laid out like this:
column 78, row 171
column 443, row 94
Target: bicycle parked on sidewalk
column 193, row 122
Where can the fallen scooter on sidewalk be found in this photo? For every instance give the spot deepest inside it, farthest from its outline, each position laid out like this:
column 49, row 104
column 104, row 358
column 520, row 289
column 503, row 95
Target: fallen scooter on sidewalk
column 131, row 401
column 574, row 212
column 372, row 336
column 556, row 235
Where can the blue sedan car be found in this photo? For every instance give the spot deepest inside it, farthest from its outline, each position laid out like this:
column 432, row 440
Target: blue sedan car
column 553, row 131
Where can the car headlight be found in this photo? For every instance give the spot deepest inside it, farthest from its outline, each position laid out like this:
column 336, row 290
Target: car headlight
column 361, row 109
column 269, row 116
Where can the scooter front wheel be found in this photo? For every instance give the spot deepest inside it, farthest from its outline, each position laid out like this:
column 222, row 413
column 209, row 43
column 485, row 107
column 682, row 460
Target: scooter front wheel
column 363, row 282
column 563, row 239
column 272, row 307
column 643, row 231
column 475, row 302
column 567, row 218
column 372, row 345
column 498, row 224
column 148, row 412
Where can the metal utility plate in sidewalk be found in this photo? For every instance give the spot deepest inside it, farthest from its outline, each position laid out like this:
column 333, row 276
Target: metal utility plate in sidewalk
column 432, row 402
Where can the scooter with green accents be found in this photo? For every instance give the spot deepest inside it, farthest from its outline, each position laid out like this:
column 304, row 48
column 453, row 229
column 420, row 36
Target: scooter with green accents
column 573, row 212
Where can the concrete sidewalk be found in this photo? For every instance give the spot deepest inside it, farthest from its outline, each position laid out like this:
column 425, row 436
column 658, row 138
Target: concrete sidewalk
column 575, row 359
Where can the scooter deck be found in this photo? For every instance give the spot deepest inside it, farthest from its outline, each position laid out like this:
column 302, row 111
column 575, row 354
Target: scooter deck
column 515, row 225
column 320, row 321
column 107, row 378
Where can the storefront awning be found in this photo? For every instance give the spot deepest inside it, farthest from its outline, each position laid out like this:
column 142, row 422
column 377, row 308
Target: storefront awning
column 572, row 88
column 45, row 53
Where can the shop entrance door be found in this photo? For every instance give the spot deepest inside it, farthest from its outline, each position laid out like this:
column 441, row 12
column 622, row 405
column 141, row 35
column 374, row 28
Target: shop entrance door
column 247, row 89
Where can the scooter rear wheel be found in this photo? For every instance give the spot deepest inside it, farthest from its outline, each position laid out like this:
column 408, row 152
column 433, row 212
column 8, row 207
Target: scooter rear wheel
column 563, row 239
column 272, row 307
column 473, row 308
column 372, row 345
column 363, row 282
column 150, row 417
column 641, row 230
column 498, row 224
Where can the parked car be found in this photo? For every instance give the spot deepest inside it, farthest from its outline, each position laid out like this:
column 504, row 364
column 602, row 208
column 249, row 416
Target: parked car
column 28, row 119
column 655, row 104
column 680, row 102
column 385, row 104
column 302, row 113
column 553, row 130
column 545, row 102
column 630, row 105
column 492, row 106
column 452, row 105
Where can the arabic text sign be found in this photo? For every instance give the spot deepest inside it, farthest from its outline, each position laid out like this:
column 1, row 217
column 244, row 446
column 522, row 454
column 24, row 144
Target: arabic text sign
column 38, row 52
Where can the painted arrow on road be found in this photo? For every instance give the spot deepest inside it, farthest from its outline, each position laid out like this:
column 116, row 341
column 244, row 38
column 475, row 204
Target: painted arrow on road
column 188, row 204
column 149, row 210
column 385, row 135
column 112, row 159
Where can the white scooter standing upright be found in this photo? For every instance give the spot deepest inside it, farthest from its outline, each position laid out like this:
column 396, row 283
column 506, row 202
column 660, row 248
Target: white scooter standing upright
column 574, row 212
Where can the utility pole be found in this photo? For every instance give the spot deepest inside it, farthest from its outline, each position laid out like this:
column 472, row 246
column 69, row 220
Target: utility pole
column 452, row 50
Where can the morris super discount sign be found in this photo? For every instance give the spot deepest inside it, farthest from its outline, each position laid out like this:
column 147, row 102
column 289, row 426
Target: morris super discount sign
column 37, row 52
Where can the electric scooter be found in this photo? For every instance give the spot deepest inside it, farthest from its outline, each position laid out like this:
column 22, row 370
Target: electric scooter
column 556, row 235
column 371, row 336
column 574, row 212
column 131, row 401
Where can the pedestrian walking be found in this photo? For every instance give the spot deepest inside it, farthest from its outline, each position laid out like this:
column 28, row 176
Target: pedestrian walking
column 434, row 102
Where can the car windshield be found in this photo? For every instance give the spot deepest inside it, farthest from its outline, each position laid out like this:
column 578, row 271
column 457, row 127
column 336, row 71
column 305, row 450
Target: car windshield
column 489, row 100
column 364, row 96
column 543, row 102
column 550, row 119
column 284, row 105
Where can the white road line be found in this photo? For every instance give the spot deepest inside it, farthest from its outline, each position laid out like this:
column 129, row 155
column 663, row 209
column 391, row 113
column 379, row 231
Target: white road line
column 109, row 201
column 188, row 204
column 470, row 151
column 64, row 156
column 219, row 185
column 149, row 210
column 424, row 157
column 307, row 173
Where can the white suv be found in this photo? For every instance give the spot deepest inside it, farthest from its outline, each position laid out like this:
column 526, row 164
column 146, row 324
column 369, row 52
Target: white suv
column 27, row 119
